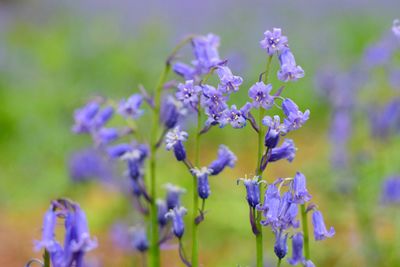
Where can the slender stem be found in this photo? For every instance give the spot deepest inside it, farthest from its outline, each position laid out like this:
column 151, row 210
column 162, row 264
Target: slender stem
column 46, row 258
column 195, row 245
column 154, row 247
column 279, row 263
column 304, row 223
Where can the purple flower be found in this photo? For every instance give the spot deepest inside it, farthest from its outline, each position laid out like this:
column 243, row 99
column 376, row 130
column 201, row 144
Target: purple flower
column 396, row 28
column 130, row 108
column 174, row 139
column 173, row 195
column 297, row 249
column 260, row 93
column 188, row 94
column 287, row 213
column 274, row 131
column 236, row 118
column 139, row 239
column 184, row 70
column 294, row 117
column 252, row 191
column 289, row 70
column 170, row 112
column 308, row 263
column 228, row 82
column 213, row 98
column 81, row 241
column 286, row 151
column 206, row 54
column 215, row 115
column 105, row 136
column 84, row 117
column 320, row 231
column 271, row 205
column 176, row 215
column 48, row 237
column 300, row 193
column 118, row 150
column 280, row 247
column 225, row 158
column 203, row 186
column 391, row 191
column 161, row 212
column 274, row 42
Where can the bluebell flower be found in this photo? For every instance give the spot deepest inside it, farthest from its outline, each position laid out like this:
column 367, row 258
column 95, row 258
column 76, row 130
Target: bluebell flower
column 300, row 193
column 280, row 247
column 297, row 249
column 139, row 239
column 252, row 191
column 162, row 209
column 170, row 112
column 226, row 158
column 274, row 42
column 81, row 241
column 105, row 136
column 84, row 117
column 390, row 193
column 130, row 108
column 396, row 28
column 173, row 198
column 206, row 54
column 289, row 71
column 57, row 256
column 184, row 70
column 213, row 97
column 118, row 150
column 136, row 187
column 48, row 237
column 309, row 263
column 260, row 93
column 176, row 215
column 286, row 151
column 294, row 117
column 236, row 117
column 216, row 114
column 275, row 129
column 174, row 139
column 103, row 116
column 271, row 206
column 287, row 214
column 188, row 94
column 320, row 231
column 228, row 82
column 203, row 186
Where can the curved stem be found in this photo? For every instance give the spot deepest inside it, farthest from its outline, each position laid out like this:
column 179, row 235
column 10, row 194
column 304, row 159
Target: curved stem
column 46, row 258
column 304, row 224
column 279, row 263
column 195, row 246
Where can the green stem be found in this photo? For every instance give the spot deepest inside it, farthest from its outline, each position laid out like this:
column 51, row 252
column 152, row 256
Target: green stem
column 195, row 245
column 304, row 223
column 279, row 263
column 46, row 258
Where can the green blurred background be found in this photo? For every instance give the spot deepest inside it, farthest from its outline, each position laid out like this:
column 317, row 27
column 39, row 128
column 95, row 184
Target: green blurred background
column 54, row 55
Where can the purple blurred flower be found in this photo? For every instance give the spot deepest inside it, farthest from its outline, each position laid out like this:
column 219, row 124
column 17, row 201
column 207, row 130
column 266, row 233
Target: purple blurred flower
column 174, row 139
column 91, row 118
column 130, row 108
column 139, row 239
column 213, row 98
column 390, row 193
column 300, row 193
column 170, row 112
column 161, row 212
column 309, row 263
column 203, row 186
column 280, row 247
column 289, row 71
column 297, row 249
column 188, row 94
column 173, row 195
column 320, row 231
column 236, row 117
column 294, row 117
column 228, row 82
column 286, row 151
column 48, row 237
column 274, row 131
column 226, row 158
column 206, row 54
column 252, row 191
column 396, row 28
column 274, row 42
column 176, row 215
column 260, row 93
column 216, row 115
column 184, row 70
column 105, row 136
column 271, row 205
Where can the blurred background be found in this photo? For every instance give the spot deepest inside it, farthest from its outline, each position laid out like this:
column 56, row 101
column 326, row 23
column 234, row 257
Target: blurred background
column 55, row 55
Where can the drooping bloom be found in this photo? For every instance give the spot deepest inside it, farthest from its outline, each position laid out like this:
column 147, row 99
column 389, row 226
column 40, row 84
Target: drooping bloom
column 139, row 239
column 130, row 108
column 216, row 114
column 48, row 237
column 237, row 117
column 188, row 94
column 203, row 186
column 396, row 27
column 170, row 112
column 228, row 82
column 274, row 42
column 173, row 195
column 161, row 211
column 118, row 150
column 294, row 117
column 391, row 191
column 280, row 247
column 275, row 129
column 260, row 93
column 206, row 54
column 226, row 158
column 184, row 70
column 91, row 118
column 213, row 97
column 174, row 139
column 320, row 231
column 252, row 191
column 288, row 210
column 297, row 249
column 271, row 205
column 286, row 151
column 105, row 136
column 289, row 71
column 176, row 215
column 300, row 193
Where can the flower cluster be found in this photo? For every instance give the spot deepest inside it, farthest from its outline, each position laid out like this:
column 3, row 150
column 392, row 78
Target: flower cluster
column 77, row 240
